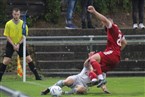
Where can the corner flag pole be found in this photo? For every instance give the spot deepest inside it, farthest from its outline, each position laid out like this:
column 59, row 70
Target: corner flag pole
column 24, row 46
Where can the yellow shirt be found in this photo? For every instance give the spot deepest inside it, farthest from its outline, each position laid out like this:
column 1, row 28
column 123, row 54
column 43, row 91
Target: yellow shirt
column 14, row 31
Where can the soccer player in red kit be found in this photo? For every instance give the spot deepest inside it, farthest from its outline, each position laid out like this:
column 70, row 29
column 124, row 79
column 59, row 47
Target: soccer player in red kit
column 108, row 59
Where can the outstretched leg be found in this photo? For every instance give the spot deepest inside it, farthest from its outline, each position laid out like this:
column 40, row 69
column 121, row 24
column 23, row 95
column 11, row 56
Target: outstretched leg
column 94, row 61
column 61, row 83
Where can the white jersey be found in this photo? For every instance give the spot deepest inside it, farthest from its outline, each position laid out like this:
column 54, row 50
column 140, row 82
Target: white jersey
column 83, row 75
column 81, row 79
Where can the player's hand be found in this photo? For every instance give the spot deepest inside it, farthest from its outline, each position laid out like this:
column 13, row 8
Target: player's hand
column 91, row 9
column 91, row 54
column 16, row 47
column 104, row 88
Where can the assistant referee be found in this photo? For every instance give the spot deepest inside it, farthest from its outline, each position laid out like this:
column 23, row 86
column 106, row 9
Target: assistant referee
column 13, row 33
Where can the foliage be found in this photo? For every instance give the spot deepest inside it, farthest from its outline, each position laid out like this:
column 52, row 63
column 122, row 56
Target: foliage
column 31, row 20
column 52, row 11
column 109, row 6
column 2, row 12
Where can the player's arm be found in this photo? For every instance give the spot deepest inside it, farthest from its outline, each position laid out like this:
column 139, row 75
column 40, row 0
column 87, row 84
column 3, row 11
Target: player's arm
column 21, row 41
column 15, row 46
column 7, row 34
column 123, row 43
column 101, row 17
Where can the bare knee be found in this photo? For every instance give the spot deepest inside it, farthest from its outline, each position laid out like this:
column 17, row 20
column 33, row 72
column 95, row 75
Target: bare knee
column 29, row 59
column 95, row 57
column 68, row 81
column 6, row 60
column 81, row 89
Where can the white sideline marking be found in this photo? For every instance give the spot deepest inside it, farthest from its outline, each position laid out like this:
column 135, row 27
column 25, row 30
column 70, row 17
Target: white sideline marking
column 36, row 84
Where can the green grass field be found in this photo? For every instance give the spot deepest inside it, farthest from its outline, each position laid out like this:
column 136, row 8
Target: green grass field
column 118, row 86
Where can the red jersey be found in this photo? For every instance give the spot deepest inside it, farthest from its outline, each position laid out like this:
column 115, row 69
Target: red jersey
column 111, row 56
column 114, row 37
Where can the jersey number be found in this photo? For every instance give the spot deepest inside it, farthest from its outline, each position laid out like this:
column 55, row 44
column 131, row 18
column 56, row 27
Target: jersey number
column 119, row 39
column 108, row 52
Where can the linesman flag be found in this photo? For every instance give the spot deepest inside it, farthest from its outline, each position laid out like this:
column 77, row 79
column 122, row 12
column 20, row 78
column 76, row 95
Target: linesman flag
column 19, row 67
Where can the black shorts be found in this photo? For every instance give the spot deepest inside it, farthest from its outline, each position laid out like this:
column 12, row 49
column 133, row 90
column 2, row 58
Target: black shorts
column 10, row 50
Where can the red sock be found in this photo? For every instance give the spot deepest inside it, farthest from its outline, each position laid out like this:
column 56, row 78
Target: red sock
column 92, row 75
column 96, row 66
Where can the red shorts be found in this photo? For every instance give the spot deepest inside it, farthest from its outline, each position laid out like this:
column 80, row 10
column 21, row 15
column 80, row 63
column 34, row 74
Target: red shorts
column 109, row 60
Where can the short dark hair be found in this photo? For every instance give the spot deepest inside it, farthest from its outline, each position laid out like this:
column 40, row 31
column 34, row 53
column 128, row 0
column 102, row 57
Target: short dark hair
column 16, row 9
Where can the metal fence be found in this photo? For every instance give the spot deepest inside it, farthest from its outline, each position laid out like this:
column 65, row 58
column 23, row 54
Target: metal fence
column 76, row 40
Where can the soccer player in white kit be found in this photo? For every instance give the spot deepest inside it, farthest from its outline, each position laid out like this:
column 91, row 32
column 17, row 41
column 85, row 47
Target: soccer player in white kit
column 77, row 83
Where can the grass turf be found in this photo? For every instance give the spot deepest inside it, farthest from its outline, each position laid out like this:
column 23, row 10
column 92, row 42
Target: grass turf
column 118, row 86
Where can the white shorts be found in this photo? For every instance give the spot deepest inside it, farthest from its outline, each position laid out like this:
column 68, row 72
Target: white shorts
column 77, row 81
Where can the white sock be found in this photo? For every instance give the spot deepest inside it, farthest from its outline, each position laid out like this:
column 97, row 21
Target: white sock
column 100, row 76
column 94, row 79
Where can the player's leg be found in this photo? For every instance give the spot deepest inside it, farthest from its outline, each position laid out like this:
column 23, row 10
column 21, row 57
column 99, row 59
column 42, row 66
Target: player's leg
column 61, row 83
column 94, row 81
column 78, row 89
column 30, row 62
column 93, row 78
column 69, row 81
column 91, row 56
column 91, row 74
column 32, row 67
column 77, row 85
column 3, row 65
column 7, row 59
column 81, row 89
column 94, row 61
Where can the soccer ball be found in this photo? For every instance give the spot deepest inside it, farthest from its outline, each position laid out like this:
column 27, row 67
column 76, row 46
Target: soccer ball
column 55, row 91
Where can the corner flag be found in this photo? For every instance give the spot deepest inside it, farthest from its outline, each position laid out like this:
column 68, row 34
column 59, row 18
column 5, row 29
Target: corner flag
column 24, row 46
column 19, row 67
